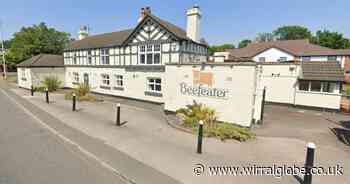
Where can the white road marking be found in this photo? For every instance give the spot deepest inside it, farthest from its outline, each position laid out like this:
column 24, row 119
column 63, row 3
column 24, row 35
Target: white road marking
column 64, row 138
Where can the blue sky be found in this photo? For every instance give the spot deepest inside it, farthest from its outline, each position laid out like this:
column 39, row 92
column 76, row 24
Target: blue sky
column 224, row 21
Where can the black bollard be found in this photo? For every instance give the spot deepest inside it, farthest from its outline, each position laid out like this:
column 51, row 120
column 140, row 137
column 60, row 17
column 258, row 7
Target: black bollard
column 74, row 101
column 47, row 95
column 309, row 163
column 32, row 90
column 118, row 115
column 262, row 106
column 200, row 137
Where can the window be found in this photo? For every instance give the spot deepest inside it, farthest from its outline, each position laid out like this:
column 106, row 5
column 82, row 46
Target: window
column 89, row 57
column 154, row 85
column 142, row 48
column 156, row 58
column 306, row 58
column 315, row 86
column 282, row 59
column 262, row 59
column 149, row 58
column 119, row 81
column 328, row 87
column 157, row 47
column 304, row 85
column 142, row 59
column 105, row 79
column 75, row 77
column 105, row 56
column 74, row 59
column 332, row 58
column 151, row 55
column 23, row 74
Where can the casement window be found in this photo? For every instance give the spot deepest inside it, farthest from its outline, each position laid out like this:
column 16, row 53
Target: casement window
column 150, row 54
column 154, row 85
column 89, row 57
column 332, row 58
column 75, row 77
column 104, row 56
column 306, row 58
column 262, row 59
column 282, row 59
column 23, row 74
column 105, row 79
column 74, row 59
column 318, row 86
column 119, row 81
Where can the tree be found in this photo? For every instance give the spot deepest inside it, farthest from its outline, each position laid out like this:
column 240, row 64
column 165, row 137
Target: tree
column 220, row 48
column 332, row 40
column 34, row 40
column 265, row 37
column 292, row 33
column 244, row 43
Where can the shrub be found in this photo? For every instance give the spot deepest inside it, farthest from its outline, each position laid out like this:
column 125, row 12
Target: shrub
column 346, row 90
column 82, row 89
column 212, row 128
column 87, row 97
column 52, row 83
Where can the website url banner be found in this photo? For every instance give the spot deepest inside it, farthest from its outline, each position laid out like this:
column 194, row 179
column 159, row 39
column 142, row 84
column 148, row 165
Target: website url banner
column 266, row 170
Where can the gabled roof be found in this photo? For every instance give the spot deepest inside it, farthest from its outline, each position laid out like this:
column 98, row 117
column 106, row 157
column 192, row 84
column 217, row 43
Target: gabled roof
column 293, row 47
column 43, row 60
column 120, row 37
column 322, row 71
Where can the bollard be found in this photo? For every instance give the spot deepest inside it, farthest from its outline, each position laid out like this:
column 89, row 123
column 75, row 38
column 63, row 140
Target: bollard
column 262, row 106
column 309, row 163
column 200, row 137
column 47, row 95
column 74, row 101
column 32, row 90
column 118, row 115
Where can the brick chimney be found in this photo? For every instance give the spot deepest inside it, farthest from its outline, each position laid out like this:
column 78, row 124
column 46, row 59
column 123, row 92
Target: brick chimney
column 144, row 12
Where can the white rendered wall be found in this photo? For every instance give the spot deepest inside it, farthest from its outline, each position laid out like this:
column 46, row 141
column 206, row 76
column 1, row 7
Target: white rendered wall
column 135, row 83
column 239, row 81
column 220, row 56
column 314, row 99
column 24, row 80
column 35, row 76
column 273, row 55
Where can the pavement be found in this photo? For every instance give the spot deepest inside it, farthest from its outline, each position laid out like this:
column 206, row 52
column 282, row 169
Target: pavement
column 30, row 154
column 171, row 154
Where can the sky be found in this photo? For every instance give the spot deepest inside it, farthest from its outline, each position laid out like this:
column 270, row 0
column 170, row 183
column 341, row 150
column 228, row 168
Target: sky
column 223, row 21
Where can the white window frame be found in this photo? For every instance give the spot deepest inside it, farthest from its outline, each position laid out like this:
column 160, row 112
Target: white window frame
column 150, row 50
column 283, row 59
column 23, row 74
column 104, row 55
column 119, row 81
column 105, row 79
column 89, row 57
column 262, row 58
column 322, row 86
column 76, row 77
column 154, row 83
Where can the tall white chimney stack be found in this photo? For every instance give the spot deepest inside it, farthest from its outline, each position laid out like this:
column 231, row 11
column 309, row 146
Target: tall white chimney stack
column 83, row 32
column 193, row 23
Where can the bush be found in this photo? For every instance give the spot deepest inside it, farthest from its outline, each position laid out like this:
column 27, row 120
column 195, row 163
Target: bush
column 52, row 83
column 40, row 89
column 346, row 90
column 82, row 89
column 82, row 93
column 87, row 97
column 212, row 128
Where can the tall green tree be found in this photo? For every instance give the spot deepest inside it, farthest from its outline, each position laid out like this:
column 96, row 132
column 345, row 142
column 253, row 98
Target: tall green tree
column 220, row 48
column 30, row 41
column 265, row 37
column 244, row 43
column 330, row 39
column 292, row 33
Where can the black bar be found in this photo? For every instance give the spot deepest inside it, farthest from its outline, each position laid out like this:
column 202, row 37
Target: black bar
column 309, row 163
column 47, row 96
column 200, row 137
column 32, row 90
column 74, row 101
column 118, row 115
column 262, row 106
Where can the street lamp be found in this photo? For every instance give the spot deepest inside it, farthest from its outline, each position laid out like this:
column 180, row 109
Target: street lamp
column 3, row 51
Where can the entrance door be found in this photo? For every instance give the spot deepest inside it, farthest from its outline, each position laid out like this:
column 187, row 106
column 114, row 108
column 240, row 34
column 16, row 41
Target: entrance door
column 86, row 79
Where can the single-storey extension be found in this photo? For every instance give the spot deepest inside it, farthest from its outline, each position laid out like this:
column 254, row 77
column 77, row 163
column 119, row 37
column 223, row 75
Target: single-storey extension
column 33, row 71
